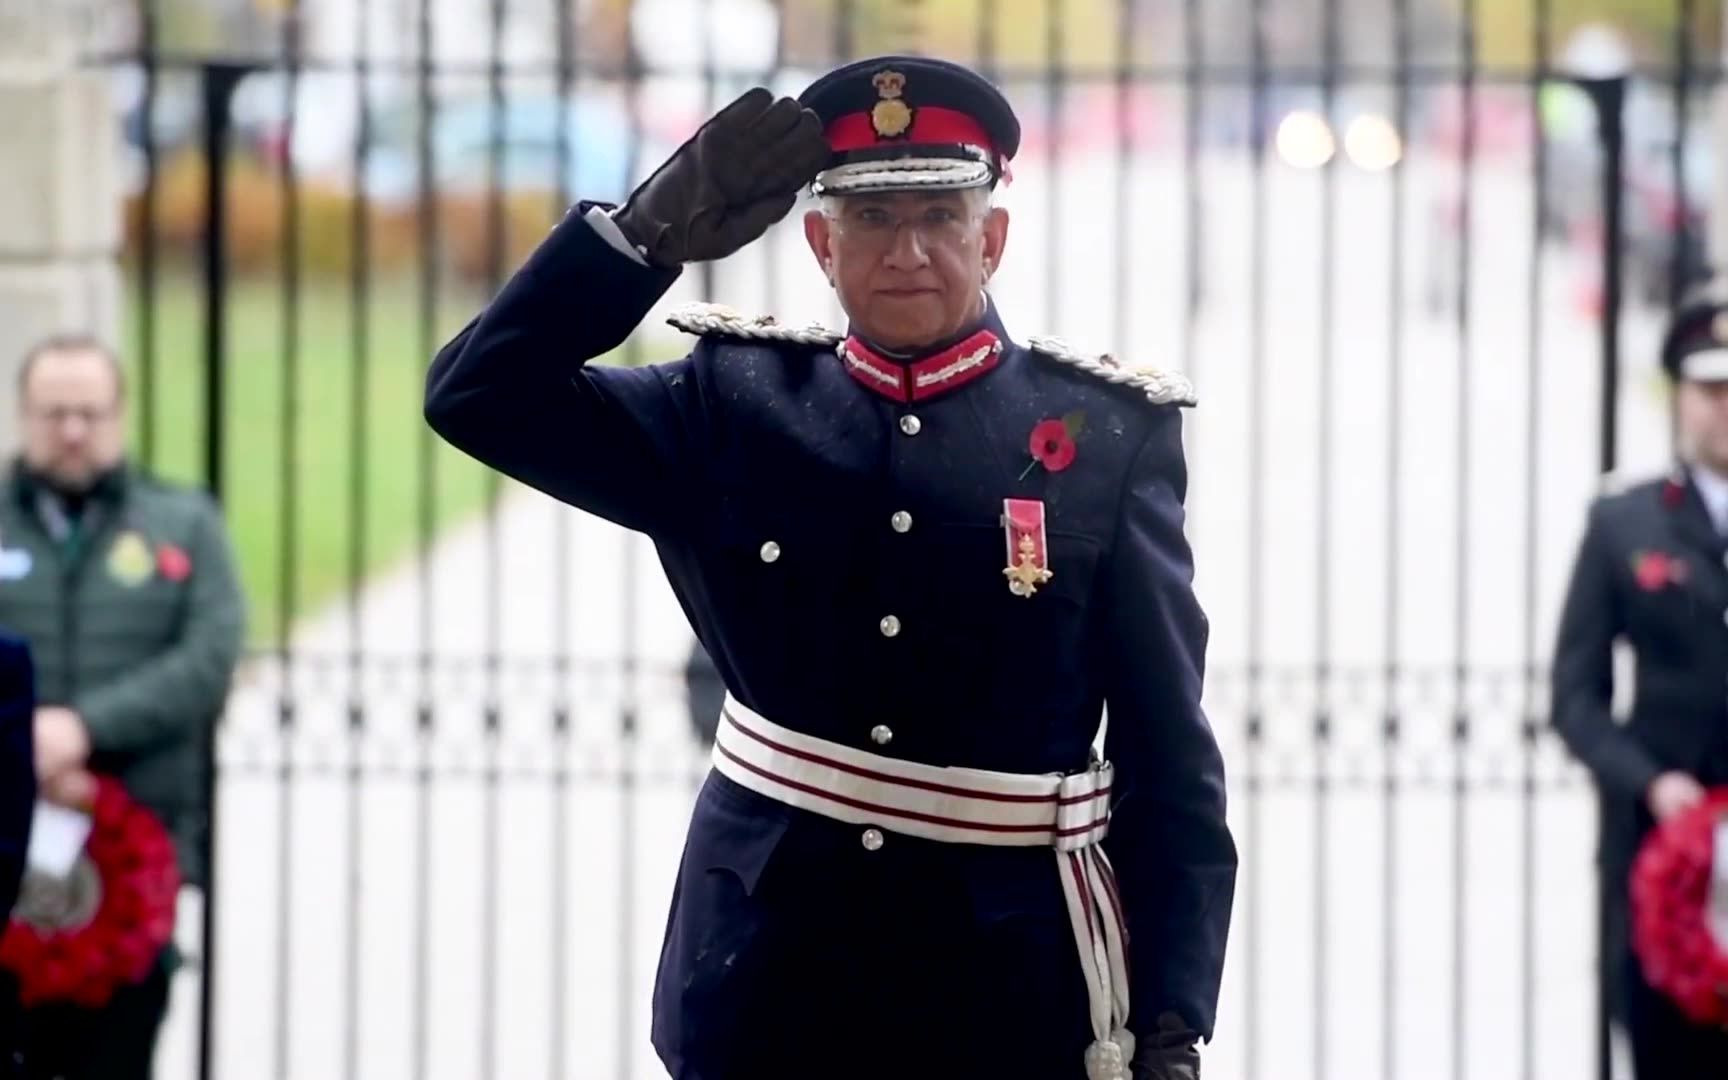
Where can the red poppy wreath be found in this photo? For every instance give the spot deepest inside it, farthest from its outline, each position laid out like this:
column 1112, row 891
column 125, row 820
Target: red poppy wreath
column 1671, row 934
column 81, row 939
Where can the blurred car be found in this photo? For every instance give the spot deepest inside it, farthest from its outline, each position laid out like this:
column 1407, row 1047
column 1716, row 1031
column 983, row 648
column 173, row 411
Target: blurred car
column 1306, row 138
column 1665, row 216
column 586, row 145
column 1664, row 196
column 1572, row 178
column 587, row 141
column 1296, row 124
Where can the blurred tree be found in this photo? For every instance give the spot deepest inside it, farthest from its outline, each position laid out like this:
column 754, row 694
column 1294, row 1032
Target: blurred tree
column 218, row 27
column 1507, row 32
column 1010, row 34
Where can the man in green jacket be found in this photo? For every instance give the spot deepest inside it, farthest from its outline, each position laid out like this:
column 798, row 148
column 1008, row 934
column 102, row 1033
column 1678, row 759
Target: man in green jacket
column 126, row 591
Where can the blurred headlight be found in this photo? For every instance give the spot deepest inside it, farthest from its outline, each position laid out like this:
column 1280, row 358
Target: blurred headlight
column 1372, row 143
column 1305, row 140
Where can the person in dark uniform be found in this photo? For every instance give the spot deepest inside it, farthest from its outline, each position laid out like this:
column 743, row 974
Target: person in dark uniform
column 928, row 561
column 17, row 811
column 17, row 763
column 1650, row 572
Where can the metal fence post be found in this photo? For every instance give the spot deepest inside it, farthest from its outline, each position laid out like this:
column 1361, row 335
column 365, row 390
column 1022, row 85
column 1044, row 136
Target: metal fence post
column 1608, row 96
column 219, row 81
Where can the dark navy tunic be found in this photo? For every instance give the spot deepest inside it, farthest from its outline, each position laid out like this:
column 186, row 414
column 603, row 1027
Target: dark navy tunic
column 1651, row 572
column 770, row 480
column 17, row 762
column 17, row 808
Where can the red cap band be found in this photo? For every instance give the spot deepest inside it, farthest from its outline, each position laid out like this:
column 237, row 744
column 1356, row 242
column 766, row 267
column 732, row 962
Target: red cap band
column 930, row 124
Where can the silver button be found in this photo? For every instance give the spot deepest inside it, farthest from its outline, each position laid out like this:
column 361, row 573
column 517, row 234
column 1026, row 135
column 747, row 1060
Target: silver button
column 881, row 734
column 890, row 625
column 770, row 551
column 911, row 425
column 872, row 839
column 901, row 521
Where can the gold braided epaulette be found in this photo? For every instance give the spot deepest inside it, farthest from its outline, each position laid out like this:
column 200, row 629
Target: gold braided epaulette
column 1162, row 386
column 718, row 320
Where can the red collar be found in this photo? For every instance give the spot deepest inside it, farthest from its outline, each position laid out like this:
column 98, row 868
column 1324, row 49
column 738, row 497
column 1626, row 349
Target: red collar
column 927, row 376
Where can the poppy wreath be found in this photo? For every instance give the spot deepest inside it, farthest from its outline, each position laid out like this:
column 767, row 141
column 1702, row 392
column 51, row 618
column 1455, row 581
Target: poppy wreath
column 130, row 878
column 1671, row 935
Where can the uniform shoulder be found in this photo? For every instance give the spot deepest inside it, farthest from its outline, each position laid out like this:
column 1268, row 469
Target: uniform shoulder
column 719, row 321
column 172, row 494
column 1160, row 386
column 1618, row 492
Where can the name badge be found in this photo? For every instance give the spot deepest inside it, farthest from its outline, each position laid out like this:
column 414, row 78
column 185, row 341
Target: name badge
column 15, row 564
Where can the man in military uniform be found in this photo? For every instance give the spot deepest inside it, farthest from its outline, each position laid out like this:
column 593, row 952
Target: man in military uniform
column 925, row 559
column 1650, row 571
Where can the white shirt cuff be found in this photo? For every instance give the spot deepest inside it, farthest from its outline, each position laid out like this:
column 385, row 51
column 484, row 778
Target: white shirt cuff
column 600, row 220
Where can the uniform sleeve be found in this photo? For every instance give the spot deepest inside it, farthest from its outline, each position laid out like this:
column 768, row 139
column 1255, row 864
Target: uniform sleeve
column 514, row 390
column 187, row 683
column 17, row 767
column 1174, row 857
column 1583, row 672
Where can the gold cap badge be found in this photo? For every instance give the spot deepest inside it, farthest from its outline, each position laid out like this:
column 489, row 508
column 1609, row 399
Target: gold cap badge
column 891, row 117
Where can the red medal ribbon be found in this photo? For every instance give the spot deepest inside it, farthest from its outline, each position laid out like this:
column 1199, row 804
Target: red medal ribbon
column 1023, row 528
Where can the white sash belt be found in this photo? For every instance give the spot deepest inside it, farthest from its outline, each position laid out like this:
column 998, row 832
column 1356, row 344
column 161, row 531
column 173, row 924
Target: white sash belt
column 962, row 806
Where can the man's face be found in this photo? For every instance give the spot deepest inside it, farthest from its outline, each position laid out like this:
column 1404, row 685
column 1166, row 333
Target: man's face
column 1703, row 419
column 72, row 418
column 909, row 267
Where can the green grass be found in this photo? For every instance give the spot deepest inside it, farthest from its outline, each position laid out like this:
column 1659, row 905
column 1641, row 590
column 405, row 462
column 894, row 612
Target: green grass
column 298, row 527
column 301, row 529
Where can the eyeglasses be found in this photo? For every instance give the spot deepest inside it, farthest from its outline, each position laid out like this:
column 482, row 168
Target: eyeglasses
column 936, row 223
column 56, row 415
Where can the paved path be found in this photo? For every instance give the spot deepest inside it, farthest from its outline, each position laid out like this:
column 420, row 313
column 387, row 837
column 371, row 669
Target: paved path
column 581, row 872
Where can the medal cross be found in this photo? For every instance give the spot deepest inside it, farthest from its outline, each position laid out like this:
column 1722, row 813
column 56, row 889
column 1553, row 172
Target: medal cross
column 1025, row 576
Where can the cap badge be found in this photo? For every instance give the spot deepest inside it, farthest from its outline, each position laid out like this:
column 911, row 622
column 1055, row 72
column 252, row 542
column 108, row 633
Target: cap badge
column 891, row 116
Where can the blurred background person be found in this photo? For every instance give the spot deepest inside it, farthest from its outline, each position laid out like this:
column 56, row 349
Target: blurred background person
column 125, row 589
column 1650, row 572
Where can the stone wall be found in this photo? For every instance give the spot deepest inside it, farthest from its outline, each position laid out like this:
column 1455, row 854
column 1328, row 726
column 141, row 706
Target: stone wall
column 59, row 195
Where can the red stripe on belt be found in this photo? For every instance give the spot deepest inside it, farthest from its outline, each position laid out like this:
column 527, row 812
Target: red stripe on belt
column 922, row 785
column 910, row 815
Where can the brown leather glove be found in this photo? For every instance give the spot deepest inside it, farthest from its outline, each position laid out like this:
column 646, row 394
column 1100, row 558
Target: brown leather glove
column 1170, row 1053
column 739, row 174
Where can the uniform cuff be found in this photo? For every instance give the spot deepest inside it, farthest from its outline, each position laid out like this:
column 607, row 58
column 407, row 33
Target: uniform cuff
column 600, row 220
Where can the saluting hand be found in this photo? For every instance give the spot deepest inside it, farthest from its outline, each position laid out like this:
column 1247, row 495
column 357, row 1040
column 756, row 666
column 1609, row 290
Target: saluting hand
column 1673, row 793
column 61, row 741
column 739, row 174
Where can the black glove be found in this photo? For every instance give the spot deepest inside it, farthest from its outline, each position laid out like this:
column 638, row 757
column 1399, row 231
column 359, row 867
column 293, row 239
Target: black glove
column 1170, row 1053
column 739, row 174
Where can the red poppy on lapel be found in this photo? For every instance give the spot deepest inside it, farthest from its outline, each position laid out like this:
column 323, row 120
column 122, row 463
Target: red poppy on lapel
column 1052, row 442
column 173, row 563
column 1655, row 570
